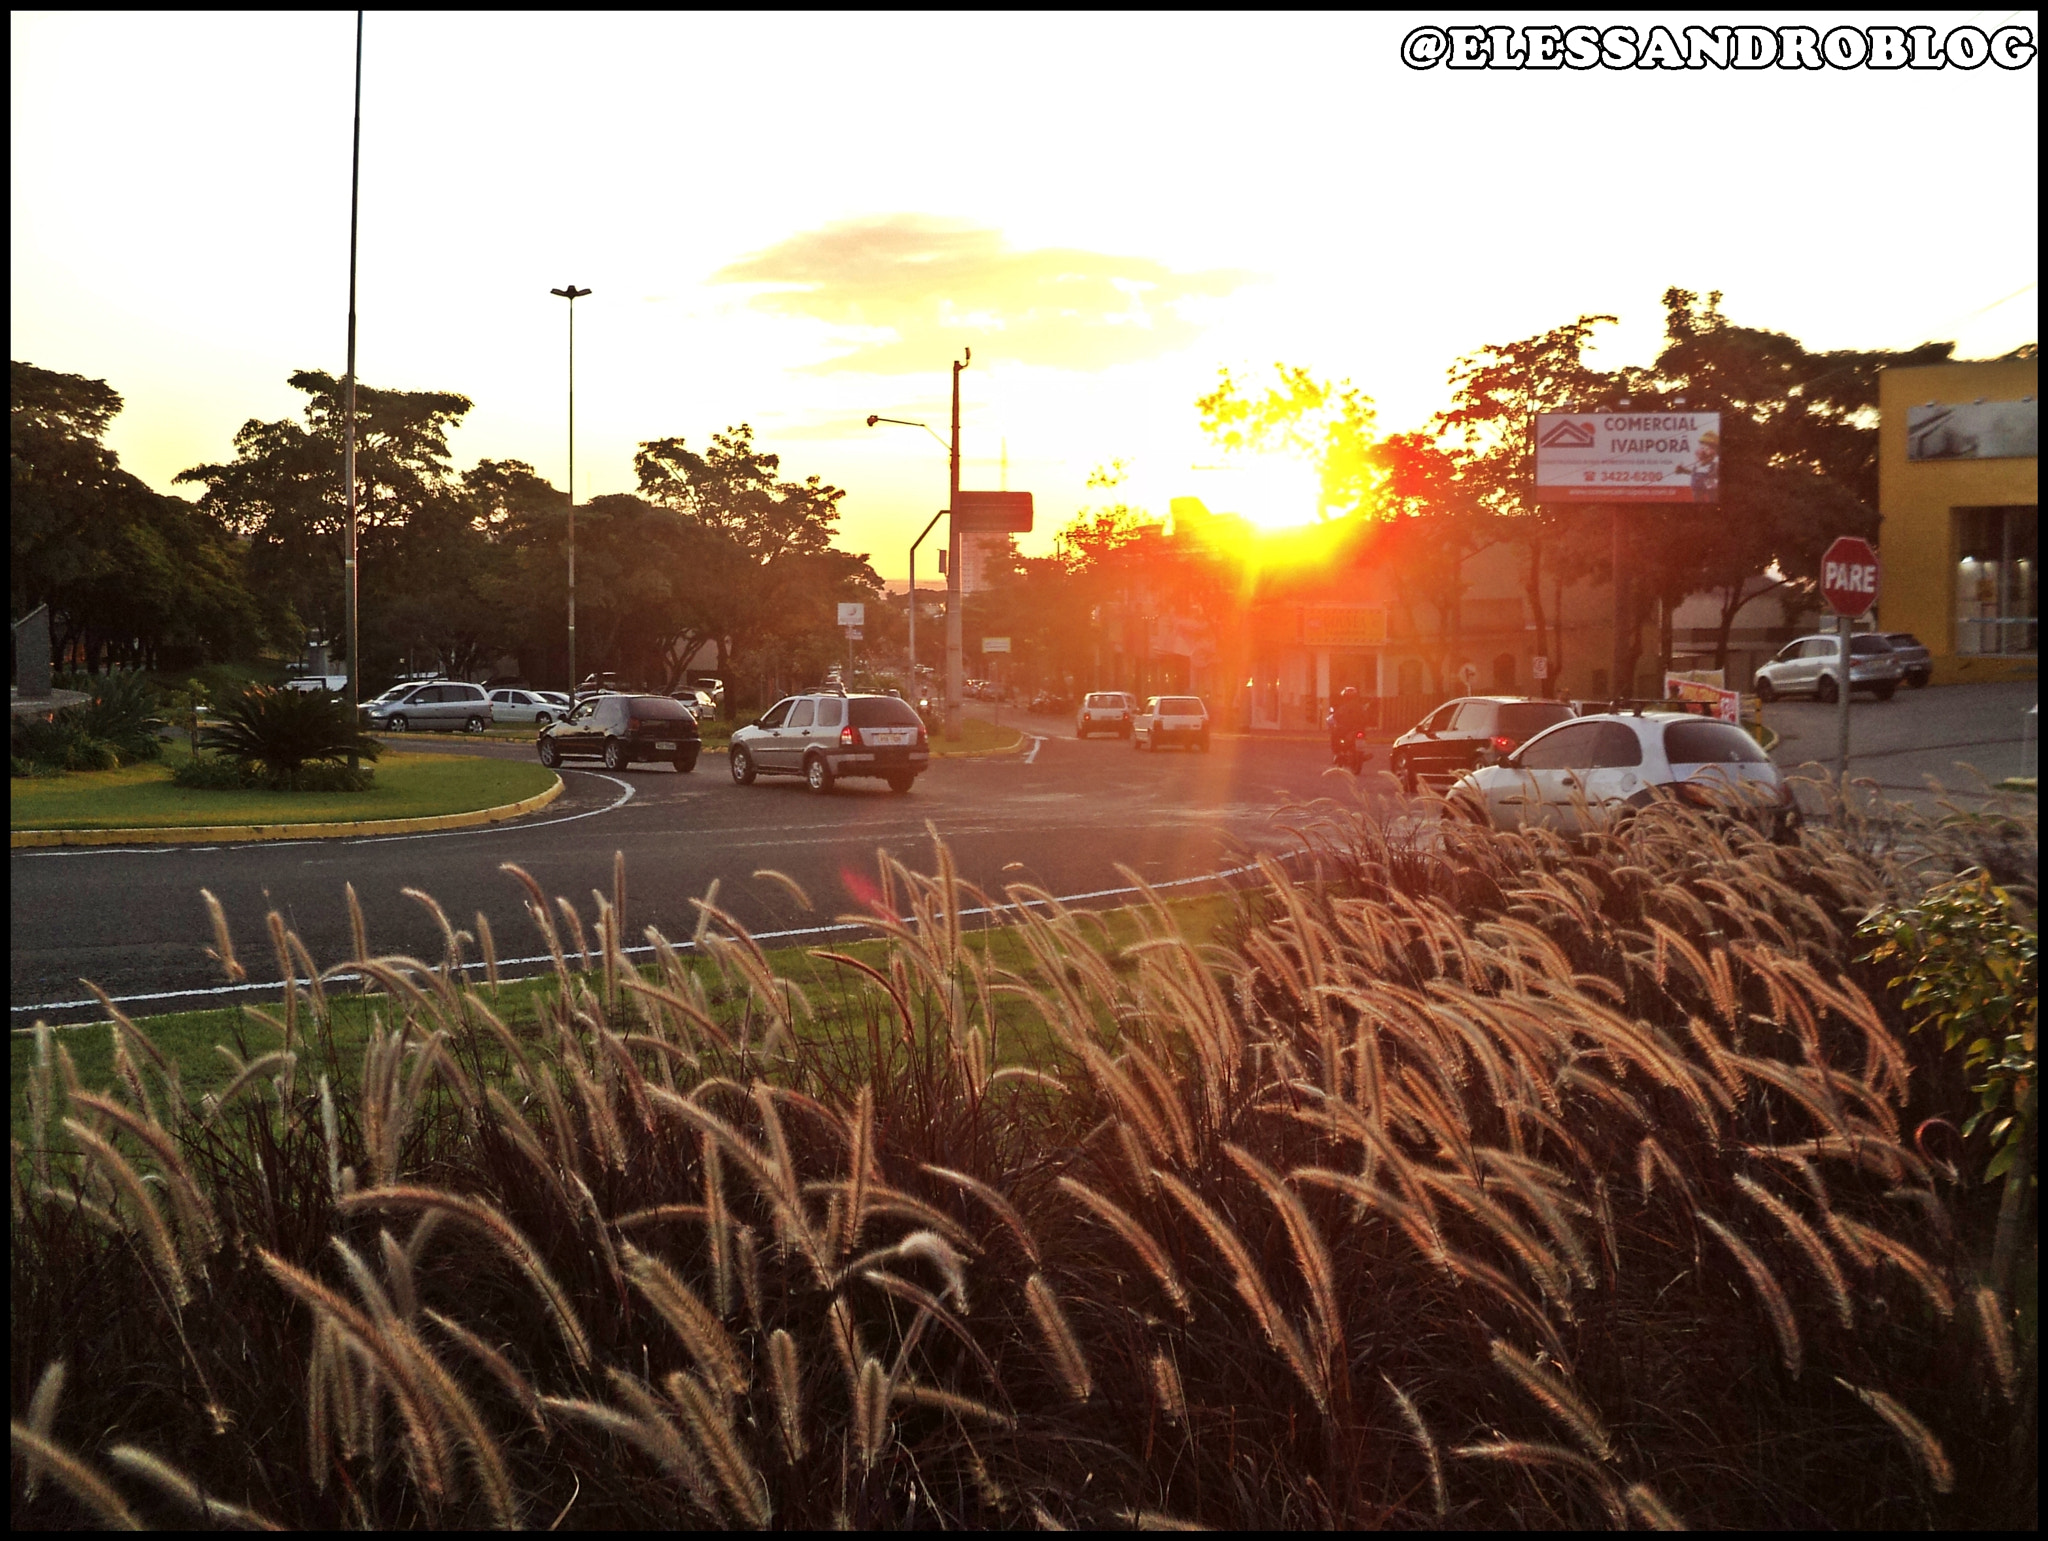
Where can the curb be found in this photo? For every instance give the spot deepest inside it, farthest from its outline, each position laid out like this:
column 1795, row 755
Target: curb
column 1023, row 738
column 221, row 834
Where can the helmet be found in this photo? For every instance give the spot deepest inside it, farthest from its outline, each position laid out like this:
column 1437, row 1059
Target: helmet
column 1348, row 693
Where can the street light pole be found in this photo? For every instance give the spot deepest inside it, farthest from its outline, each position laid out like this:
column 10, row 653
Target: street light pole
column 913, row 596
column 348, row 440
column 953, row 672
column 572, row 294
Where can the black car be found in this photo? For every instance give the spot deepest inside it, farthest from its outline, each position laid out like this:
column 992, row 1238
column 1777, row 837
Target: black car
column 622, row 729
column 1471, row 731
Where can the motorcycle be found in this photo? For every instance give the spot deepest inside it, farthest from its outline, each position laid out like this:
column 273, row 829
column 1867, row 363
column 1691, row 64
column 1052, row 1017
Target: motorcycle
column 1352, row 755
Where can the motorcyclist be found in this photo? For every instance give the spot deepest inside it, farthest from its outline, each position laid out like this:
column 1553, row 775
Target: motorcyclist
column 1347, row 721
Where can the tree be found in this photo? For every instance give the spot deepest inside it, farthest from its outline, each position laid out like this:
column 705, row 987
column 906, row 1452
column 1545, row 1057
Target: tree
column 1496, row 394
column 1432, row 516
column 1799, row 446
column 1330, row 425
column 128, row 573
column 283, row 494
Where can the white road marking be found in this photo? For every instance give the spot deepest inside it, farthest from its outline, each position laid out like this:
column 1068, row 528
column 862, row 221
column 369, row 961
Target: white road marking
column 1037, row 743
column 626, row 793
column 539, row 958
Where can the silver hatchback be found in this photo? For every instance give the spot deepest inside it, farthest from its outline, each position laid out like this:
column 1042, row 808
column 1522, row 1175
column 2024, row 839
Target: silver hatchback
column 1812, row 666
column 446, row 706
column 824, row 737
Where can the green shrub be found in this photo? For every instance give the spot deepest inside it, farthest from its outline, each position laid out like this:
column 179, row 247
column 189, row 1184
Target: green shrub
column 282, row 730
column 59, row 743
column 224, row 773
column 123, row 711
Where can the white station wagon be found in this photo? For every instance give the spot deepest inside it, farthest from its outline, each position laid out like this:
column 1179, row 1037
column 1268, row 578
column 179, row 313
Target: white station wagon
column 1596, row 767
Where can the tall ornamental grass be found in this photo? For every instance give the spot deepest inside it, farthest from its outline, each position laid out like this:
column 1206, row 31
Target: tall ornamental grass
column 1481, row 1180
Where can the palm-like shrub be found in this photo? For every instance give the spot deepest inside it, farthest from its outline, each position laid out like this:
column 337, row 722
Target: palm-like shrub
column 279, row 731
column 123, row 711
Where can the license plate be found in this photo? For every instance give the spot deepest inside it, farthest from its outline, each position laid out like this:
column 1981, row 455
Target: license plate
column 669, row 748
column 882, row 736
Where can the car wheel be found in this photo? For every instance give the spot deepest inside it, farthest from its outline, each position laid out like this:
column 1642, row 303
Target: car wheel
column 1137, row 741
column 550, row 753
column 684, row 764
column 398, row 723
column 743, row 767
column 473, row 725
column 1124, row 731
column 615, row 757
column 817, row 774
column 542, row 719
column 1825, row 691
column 1202, row 743
column 901, row 784
column 1886, row 692
column 1766, row 692
column 1918, row 681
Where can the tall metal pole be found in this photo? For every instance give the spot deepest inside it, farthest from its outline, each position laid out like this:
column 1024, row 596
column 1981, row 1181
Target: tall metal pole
column 348, row 439
column 1624, row 616
column 954, row 681
column 572, row 294
column 1842, row 625
column 913, row 596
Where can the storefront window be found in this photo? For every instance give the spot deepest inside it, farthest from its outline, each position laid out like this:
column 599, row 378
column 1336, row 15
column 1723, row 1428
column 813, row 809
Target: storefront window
column 1998, row 602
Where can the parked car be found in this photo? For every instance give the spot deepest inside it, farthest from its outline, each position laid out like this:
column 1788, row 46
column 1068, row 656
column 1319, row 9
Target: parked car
column 1459, row 735
column 1596, row 766
column 826, row 737
column 715, row 686
column 436, row 706
column 522, row 705
column 699, row 701
column 1104, row 711
column 1171, row 720
column 1812, row 666
column 334, row 684
column 621, row 730
column 1914, row 657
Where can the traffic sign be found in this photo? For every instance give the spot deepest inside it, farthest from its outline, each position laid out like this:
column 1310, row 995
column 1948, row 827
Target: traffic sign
column 1848, row 576
column 852, row 613
column 1540, row 667
column 995, row 644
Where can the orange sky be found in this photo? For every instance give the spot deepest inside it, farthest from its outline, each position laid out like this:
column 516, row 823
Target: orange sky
column 798, row 221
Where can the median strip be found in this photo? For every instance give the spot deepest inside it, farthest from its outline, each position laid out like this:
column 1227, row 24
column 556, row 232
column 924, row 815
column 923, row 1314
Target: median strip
column 221, row 834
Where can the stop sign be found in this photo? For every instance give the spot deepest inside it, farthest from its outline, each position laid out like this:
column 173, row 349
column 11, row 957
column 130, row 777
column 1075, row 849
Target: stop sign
column 1848, row 576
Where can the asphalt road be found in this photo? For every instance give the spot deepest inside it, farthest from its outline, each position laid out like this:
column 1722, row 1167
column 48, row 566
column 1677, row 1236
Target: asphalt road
column 1063, row 818
column 133, row 922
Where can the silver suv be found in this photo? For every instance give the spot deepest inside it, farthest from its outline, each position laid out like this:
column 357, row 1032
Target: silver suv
column 438, row 705
column 824, row 736
column 1812, row 666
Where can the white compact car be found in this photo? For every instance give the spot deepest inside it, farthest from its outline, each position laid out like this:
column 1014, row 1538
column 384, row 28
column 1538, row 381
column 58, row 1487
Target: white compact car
column 1104, row 711
column 538, row 707
column 1596, row 767
column 1812, row 666
column 1171, row 720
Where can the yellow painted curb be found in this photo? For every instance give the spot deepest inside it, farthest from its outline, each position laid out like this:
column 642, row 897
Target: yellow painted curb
column 1023, row 738
column 217, row 834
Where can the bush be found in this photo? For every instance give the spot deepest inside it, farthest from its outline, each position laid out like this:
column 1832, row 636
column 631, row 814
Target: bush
column 281, row 730
column 1488, row 1181
column 122, row 711
column 222, row 773
column 59, row 743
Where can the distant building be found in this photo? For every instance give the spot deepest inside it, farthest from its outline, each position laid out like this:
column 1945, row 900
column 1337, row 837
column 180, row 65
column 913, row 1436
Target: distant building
column 1959, row 488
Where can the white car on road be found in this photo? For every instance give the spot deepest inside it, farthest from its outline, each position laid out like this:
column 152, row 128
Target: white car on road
column 538, row 707
column 1594, row 768
column 1104, row 711
column 1171, row 720
column 1812, row 666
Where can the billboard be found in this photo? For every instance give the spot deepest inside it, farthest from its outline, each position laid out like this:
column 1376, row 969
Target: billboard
column 1628, row 457
column 1977, row 430
column 992, row 513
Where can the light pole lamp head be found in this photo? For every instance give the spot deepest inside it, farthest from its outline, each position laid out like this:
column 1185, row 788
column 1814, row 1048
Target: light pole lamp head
column 572, row 293
column 874, row 418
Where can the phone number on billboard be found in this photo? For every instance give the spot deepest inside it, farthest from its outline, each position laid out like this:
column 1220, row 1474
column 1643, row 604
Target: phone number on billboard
column 1625, row 476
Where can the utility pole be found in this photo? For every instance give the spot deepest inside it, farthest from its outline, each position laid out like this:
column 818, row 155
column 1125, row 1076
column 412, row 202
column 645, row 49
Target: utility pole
column 913, row 598
column 1624, row 610
column 954, row 680
column 572, row 294
column 348, row 440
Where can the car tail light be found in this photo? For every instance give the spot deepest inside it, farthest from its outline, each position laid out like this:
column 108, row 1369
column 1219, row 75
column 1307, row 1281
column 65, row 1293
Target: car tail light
column 1502, row 744
column 923, row 739
column 847, row 737
column 634, row 725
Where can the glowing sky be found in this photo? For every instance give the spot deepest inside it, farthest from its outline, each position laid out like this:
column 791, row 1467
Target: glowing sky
column 797, row 221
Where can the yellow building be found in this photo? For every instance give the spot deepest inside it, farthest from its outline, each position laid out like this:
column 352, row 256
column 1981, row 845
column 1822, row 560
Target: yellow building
column 1959, row 488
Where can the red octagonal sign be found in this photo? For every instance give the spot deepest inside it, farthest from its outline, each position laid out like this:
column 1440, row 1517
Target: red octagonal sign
column 1848, row 576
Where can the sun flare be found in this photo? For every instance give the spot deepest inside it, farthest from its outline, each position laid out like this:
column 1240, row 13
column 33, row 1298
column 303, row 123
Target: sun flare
column 1268, row 492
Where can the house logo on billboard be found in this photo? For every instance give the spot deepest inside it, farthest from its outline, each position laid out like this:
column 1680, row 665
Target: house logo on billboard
column 1571, row 433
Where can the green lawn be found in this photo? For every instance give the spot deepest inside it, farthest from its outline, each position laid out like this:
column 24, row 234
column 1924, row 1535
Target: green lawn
column 187, row 1038
column 409, row 786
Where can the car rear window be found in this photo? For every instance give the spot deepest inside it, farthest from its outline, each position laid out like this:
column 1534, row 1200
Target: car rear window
column 1866, row 645
column 1099, row 699
column 1711, row 743
column 658, row 707
column 882, row 712
column 1522, row 720
column 1179, row 706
